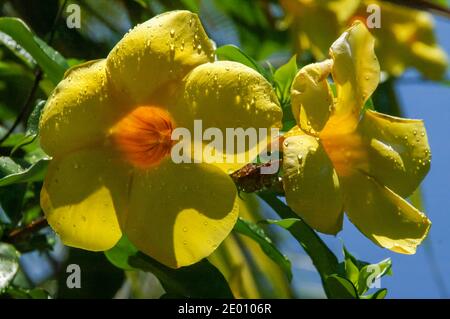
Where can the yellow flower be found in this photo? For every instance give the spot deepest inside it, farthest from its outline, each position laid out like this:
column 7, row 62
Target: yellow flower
column 341, row 158
column 108, row 127
column 405, row 37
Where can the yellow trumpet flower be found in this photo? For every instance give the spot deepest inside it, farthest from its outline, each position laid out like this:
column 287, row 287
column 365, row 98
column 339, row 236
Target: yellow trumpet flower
column 405, row 36
column 341, row 157
column 108, row 127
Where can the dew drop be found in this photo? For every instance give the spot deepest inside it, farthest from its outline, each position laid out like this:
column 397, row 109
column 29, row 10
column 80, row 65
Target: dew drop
column 172, row 33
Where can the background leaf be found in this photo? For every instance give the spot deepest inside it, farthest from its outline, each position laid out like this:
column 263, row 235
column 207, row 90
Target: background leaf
column 201, row 280
column 257, row 233
column 51, row 62
column 9, row 264
column 14, row 173
column 340, row 288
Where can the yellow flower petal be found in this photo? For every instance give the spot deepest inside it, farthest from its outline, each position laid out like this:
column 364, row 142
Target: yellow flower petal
column 398, row 151
column 156, row 52
column 356, row 71
column 318, row 23
column 229, row 95
column 316, row 29
column 408, row 41
column 312, row 99
column 179, row 214
column 82, row 192
column 80, row 110
column 311, row 184
column 383, row 216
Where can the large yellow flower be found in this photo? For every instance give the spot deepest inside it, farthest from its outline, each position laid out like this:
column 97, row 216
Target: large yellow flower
column 342, row 158
column 405, row 37
column 108, row 127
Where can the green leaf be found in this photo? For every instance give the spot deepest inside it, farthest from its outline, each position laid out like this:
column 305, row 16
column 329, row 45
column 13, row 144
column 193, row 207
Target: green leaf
column 51, row 62
column 371, row 272
column 201, row 280
column 32, row 130
column 233, row 53
column 9, row 264
column 191, row 5
column 283, row 78
column 21, row 293
column 12, row 201
column 340, row 288
column 379, row 294
column 369, row 105
column 358, row 263
column 120, row 253
column 351, row 271
column 257, row 234
column 13, row 173
column 322, row 257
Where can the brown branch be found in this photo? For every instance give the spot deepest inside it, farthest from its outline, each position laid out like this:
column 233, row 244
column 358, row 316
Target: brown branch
column 426, row 5
column 21, row 233
column 249, row 179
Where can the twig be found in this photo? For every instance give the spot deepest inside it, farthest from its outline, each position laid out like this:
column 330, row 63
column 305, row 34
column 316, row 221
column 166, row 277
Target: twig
column 20, row 233
column 250, row 179
column 26, row 106
column 424, row 5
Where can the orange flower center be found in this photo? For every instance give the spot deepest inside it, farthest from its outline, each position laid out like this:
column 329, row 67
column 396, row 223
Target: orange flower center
column 355, row 18
column 144, row 136
column 346, row 149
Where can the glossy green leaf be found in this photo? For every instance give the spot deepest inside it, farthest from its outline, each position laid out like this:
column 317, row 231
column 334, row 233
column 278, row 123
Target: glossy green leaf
column 201, row 280
column 340, row 288
column 351, row 271
column 283, row 78
column 233, row 53
column 51, row 62
column 32, row 130
column 258, row 234
column 9, row 264
column 379, row 294
column 371, row 272
column 12, row 172
column 120, row 253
